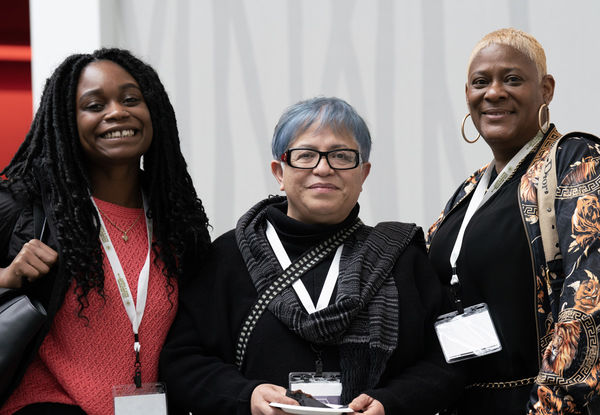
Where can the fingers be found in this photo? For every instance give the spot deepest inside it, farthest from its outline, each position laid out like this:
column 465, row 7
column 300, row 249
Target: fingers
column 266, row 393
column 42, row 251
column 360, row 402
column 367, row 405
column 34, row 260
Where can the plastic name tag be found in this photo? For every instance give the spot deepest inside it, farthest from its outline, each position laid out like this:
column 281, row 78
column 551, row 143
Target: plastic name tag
column 150, row 399
column 326, row 388
column 468, row 335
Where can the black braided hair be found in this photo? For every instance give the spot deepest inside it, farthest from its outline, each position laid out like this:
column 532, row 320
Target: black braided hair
column 50, row 161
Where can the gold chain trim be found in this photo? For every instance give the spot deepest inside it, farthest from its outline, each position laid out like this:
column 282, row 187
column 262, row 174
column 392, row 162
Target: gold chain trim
column 504, row 385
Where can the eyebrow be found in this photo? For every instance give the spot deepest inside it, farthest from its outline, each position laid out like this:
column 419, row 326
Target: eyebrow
column 313, row 147
column 96, row 91
column 510, row 69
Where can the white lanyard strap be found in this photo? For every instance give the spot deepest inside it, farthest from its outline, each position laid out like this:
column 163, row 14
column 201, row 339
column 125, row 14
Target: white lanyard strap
column 330, row 280
column 483, row 193
column 135, row 312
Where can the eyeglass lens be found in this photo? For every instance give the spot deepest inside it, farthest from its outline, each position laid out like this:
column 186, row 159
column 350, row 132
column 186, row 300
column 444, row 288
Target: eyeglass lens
column 338, row 159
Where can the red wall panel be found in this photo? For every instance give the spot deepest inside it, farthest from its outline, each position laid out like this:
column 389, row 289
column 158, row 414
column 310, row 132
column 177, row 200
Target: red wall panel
column 15, row 107
column 15, row 77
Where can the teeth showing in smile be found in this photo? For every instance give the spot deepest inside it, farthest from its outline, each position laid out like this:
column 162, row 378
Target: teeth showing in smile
column 118, row 134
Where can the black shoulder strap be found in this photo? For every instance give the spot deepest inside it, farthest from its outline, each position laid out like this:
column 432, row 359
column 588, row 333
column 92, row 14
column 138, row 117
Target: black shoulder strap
column 39, row 221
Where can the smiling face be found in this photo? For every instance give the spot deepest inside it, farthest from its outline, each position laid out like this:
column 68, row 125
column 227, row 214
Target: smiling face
column 113, row 120
column 321, row 195
column 504, row 93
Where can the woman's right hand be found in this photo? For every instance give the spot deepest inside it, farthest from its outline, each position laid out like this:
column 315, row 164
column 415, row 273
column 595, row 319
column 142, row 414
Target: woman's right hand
column 33, row 261
column 266, row 393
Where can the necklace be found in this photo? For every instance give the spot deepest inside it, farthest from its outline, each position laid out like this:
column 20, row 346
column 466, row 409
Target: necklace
column 124, row 232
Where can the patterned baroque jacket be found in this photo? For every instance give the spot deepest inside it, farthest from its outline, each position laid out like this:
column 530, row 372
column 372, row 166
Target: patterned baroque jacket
column 568, row 291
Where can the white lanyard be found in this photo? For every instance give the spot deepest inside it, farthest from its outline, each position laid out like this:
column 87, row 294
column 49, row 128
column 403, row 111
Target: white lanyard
column 483, row 193
column 328, row 286
column 135, row 312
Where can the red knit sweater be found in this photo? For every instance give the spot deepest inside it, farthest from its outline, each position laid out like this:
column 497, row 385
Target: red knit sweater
column 81, row 360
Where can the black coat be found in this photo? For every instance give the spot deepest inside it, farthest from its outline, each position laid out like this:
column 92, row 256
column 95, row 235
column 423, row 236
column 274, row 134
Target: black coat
column 198, row 360
column 16, row 229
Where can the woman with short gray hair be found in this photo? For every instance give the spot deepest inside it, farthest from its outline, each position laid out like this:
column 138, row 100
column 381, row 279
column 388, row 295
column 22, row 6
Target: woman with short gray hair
column 303, row 295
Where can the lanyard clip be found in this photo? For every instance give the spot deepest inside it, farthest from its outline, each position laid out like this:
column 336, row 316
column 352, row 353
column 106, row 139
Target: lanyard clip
column 455, row 288
column 318, row 361
column 136, row 343
column 319, row 367
column 137, row 376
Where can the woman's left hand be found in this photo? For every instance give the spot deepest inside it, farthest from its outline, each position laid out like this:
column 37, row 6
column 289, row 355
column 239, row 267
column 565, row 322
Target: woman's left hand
column 368, row 405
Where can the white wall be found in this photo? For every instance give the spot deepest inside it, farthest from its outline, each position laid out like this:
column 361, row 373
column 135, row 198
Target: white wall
column 58, row 29
column 232, row 66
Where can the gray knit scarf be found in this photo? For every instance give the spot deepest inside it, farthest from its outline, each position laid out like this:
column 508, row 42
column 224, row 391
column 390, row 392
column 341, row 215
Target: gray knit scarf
column 363, row 321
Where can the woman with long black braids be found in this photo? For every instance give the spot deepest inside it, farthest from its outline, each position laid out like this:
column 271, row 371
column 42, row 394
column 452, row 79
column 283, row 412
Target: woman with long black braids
column 101, row 116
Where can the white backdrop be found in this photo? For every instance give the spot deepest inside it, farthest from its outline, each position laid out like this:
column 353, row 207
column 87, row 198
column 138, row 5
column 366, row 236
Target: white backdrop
column 232, row 66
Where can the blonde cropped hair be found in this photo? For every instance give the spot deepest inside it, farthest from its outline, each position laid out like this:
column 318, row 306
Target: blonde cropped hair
column 515, row 38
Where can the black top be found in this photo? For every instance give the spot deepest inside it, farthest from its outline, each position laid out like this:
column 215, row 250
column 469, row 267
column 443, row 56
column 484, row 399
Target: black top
column 297, row 237
column 495, row 267
column 198, row 360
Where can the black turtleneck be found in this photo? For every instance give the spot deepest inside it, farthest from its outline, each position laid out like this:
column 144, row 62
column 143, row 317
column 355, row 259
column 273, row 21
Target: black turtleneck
column 297, row 237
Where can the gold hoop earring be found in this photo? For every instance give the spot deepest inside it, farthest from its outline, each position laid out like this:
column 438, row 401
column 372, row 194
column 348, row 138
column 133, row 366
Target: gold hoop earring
column 462, row 130
column 540, row 118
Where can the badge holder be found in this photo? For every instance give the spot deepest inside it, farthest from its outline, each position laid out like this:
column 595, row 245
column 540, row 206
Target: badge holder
column 149, row 399
column 326, row 387
column 468, row 332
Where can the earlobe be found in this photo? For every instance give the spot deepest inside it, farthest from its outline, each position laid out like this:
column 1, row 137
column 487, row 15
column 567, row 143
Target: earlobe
column 277, row 170
column 548, row 84
column 366, row 169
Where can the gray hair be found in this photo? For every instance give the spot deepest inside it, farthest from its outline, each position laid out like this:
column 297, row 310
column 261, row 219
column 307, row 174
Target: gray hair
column 328, row 113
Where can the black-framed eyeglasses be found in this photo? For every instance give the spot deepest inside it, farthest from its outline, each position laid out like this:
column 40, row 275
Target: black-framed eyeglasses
column 308, row 158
